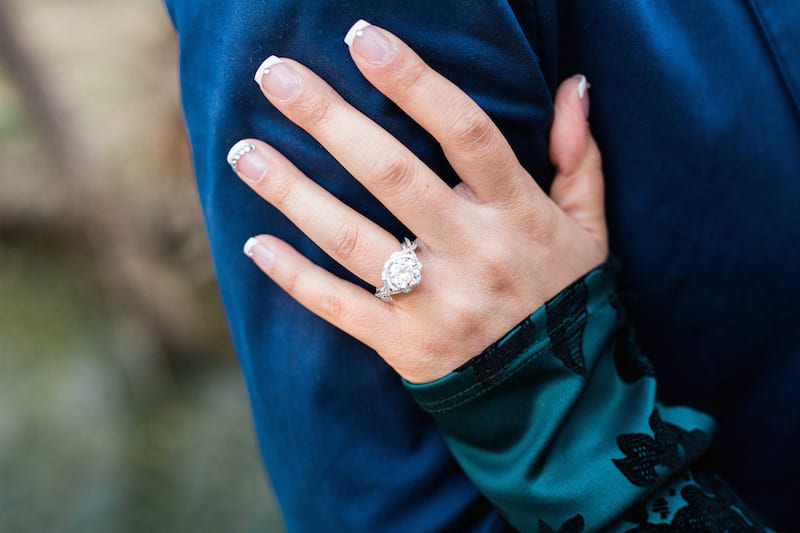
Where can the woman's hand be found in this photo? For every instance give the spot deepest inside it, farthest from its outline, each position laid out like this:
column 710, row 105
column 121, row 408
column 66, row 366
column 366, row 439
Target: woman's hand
column 494, row 248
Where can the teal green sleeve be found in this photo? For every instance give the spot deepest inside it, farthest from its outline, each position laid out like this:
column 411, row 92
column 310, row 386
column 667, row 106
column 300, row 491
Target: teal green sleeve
column 558, row 425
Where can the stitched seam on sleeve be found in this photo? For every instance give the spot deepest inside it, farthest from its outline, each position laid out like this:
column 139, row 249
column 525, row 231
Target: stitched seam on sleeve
column 483, row 389
column 430, row 407
column 480, row 385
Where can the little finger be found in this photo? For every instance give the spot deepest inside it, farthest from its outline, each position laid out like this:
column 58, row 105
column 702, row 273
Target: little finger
column 343, row 304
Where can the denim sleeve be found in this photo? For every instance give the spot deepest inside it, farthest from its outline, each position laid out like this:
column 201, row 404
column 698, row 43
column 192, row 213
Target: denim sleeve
column 346, row 447
column 558, row 425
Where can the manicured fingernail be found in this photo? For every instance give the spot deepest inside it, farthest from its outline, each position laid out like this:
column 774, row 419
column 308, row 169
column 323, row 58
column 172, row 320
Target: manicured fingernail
column 258, row 252
column 278, row 79
column 244, row 159
column 583, row 85
column 370, row 43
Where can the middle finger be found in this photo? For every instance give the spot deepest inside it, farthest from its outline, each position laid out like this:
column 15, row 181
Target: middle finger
column 391, row 172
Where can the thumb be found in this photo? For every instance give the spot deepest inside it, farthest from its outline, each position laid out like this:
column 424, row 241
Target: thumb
column 578, row 185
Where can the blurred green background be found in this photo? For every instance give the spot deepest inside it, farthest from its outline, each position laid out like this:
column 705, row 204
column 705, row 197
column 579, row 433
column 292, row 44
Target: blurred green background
column 121, row 404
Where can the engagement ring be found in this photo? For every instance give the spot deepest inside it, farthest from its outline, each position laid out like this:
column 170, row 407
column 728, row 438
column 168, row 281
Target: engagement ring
column 401, row 273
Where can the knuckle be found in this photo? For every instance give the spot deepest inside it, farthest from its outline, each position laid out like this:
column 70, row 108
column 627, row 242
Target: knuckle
column 291, row 282
column 464, row 313
column 392, row 172
column 472, row 128
column 331, row 307
column 537, row 220
column 498, row 267
column 409, row 75
column 499, row 275
column 280, row 192
column 345, row 241
column 315, row 111
column 461, row 310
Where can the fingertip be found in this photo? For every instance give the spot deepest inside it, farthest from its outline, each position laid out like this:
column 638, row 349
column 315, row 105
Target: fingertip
column 251, row 243
column 572, row 96
column 570, row 134
column 259, row 250
column 583, row 94
column 237, row 151
column 264, row 67
column 247, row 159
column 370, row 44
column 578, row 186
column 352, row 33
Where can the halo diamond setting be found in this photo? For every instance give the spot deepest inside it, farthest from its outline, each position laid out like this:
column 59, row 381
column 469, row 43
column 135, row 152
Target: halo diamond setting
column 402, row 272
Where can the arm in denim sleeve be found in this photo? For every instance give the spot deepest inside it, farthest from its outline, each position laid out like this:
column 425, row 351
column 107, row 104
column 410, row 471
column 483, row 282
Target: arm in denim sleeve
column 558, row 425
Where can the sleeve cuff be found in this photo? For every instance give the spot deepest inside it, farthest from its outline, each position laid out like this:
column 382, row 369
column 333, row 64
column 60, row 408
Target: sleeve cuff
column 548, row 328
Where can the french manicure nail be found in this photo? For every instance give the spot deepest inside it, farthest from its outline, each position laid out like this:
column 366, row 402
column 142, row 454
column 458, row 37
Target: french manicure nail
column 278, row 79
column 370, row 43
column 258, row 252
column 244, row 159
column 583, row 85
column 354, row 30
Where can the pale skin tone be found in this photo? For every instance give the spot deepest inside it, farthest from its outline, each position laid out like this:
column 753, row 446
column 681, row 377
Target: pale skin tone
column 494, row 248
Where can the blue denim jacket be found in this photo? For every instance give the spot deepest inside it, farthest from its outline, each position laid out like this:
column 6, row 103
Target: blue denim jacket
column 696, row 108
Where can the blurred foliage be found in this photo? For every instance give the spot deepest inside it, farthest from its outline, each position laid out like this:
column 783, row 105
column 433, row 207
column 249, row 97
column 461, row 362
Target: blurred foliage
column 121, row 405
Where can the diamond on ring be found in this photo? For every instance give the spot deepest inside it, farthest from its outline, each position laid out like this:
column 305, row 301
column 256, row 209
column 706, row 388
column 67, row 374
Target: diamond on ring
column 401, row 272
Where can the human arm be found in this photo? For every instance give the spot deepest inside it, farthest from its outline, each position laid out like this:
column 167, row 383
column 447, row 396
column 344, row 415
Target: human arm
column 559, row 425
column 575, row 386
column 319, row 397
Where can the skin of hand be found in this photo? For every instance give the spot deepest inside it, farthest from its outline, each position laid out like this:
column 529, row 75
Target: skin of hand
column 493, row 249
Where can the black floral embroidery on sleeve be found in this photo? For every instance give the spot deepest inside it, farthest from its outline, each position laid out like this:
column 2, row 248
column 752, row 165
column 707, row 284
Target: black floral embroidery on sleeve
column 494, row 359
column 703, row 512
column 670, row 446
column 573, row 525
column 706, row 513
column 724, row 493
column 566, row 320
